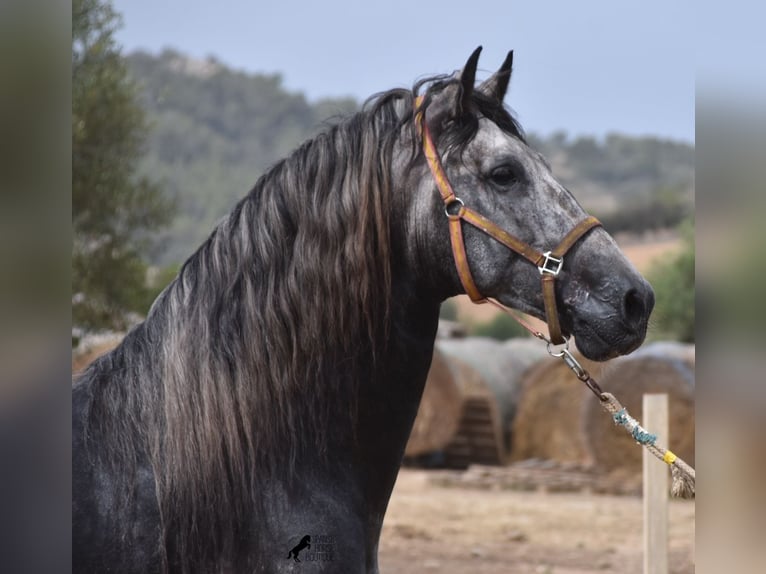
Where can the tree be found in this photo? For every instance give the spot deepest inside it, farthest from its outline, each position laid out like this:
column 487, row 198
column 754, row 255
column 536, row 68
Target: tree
column 501, row 328
column 113, row 208
column 448, row 310
column 673, row 282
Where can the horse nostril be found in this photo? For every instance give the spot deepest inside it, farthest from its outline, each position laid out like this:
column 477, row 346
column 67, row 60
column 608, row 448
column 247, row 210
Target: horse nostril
column 634, row 307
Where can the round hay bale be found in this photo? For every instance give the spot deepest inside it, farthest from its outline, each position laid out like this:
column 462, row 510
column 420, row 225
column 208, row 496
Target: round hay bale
column 527, row 351
column 628, row 380
column 548, row 422
column 683, row 353
column 479, row 436
column 439, row 412
column 500, row 367
column 669, row 349
column 470, row 382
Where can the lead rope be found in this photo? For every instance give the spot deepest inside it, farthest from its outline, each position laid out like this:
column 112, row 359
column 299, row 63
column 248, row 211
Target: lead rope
column 683, row 475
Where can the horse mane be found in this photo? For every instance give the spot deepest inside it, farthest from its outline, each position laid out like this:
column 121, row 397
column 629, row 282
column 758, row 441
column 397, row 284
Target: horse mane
column 289, row 295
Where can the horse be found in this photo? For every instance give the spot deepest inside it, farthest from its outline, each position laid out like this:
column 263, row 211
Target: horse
column 270, row 391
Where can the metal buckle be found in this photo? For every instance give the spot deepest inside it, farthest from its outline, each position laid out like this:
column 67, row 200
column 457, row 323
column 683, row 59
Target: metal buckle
column 551, row 265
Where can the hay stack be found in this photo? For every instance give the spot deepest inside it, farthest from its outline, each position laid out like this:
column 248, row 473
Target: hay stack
column 548, row 422
column 439, row 412
column 479, row 436
column 500, row 367
column 499, row 364
column 657, row 369
column 670, row 349
column 469, row 402
column 527, row 351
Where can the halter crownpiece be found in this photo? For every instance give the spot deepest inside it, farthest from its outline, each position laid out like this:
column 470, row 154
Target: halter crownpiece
column 548, row 263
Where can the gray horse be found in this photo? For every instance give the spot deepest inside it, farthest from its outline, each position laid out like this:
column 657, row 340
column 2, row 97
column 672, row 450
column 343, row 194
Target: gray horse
column 271, row 389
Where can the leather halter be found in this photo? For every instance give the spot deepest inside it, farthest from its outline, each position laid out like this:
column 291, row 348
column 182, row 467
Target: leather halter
column 548, row 263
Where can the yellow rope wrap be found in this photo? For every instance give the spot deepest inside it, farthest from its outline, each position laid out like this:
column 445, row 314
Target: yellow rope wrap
column 669, row 457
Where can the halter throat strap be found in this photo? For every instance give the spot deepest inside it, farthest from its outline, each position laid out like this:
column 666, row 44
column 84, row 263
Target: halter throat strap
column 549, row 263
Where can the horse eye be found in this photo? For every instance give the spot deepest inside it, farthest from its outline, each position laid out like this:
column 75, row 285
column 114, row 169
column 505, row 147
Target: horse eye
column 503, row 176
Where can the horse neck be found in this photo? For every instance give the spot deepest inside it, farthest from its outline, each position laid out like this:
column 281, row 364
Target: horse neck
column 388, row 404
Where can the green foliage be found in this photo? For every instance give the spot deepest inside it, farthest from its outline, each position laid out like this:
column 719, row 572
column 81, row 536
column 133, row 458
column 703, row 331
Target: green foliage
column 501, row 327
column 448, row 310
column 619, row 165
column 673, row 283
column 112, row 207
column 157, row 278
column 631, row 183
column 664, row 208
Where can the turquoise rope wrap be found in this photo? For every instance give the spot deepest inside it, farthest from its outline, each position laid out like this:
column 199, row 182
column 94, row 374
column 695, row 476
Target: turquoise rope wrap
column 641, row 436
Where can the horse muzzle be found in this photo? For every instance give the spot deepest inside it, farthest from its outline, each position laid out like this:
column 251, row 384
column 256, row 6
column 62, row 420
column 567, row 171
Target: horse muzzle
column 610, row 319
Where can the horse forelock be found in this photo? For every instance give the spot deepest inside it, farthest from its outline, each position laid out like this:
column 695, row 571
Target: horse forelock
column 465, row 127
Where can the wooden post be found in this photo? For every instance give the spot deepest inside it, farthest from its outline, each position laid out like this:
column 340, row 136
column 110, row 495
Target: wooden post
column 655, row 420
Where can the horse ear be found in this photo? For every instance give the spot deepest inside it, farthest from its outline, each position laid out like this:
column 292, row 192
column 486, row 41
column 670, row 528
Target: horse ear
column 497, row 84
column 467, row 79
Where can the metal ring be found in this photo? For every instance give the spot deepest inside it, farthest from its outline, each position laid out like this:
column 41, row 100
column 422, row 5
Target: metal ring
column 452, row 202
column 558, row 353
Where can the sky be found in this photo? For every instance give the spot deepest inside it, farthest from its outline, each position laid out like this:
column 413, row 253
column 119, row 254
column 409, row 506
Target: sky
column 588, row 67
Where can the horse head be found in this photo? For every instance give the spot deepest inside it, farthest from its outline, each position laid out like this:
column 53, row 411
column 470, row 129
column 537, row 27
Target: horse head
column 509, row 210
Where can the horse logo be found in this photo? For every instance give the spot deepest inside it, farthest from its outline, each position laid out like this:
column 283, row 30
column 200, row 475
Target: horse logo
column 304, row 543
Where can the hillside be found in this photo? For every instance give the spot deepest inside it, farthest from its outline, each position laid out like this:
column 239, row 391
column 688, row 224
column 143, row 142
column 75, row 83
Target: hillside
column 620, row 170
column 215, row 130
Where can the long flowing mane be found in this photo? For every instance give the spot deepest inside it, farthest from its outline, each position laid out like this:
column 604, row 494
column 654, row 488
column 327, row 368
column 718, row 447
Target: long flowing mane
column 289, row 295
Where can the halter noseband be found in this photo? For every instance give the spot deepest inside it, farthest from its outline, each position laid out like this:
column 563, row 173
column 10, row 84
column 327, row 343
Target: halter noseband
column 548, row 263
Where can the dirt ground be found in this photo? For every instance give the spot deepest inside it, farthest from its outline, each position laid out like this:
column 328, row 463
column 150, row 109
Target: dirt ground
column 458, row 530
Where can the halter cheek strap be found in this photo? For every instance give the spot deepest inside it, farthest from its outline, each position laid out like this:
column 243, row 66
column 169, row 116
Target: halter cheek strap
column 548, row 263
